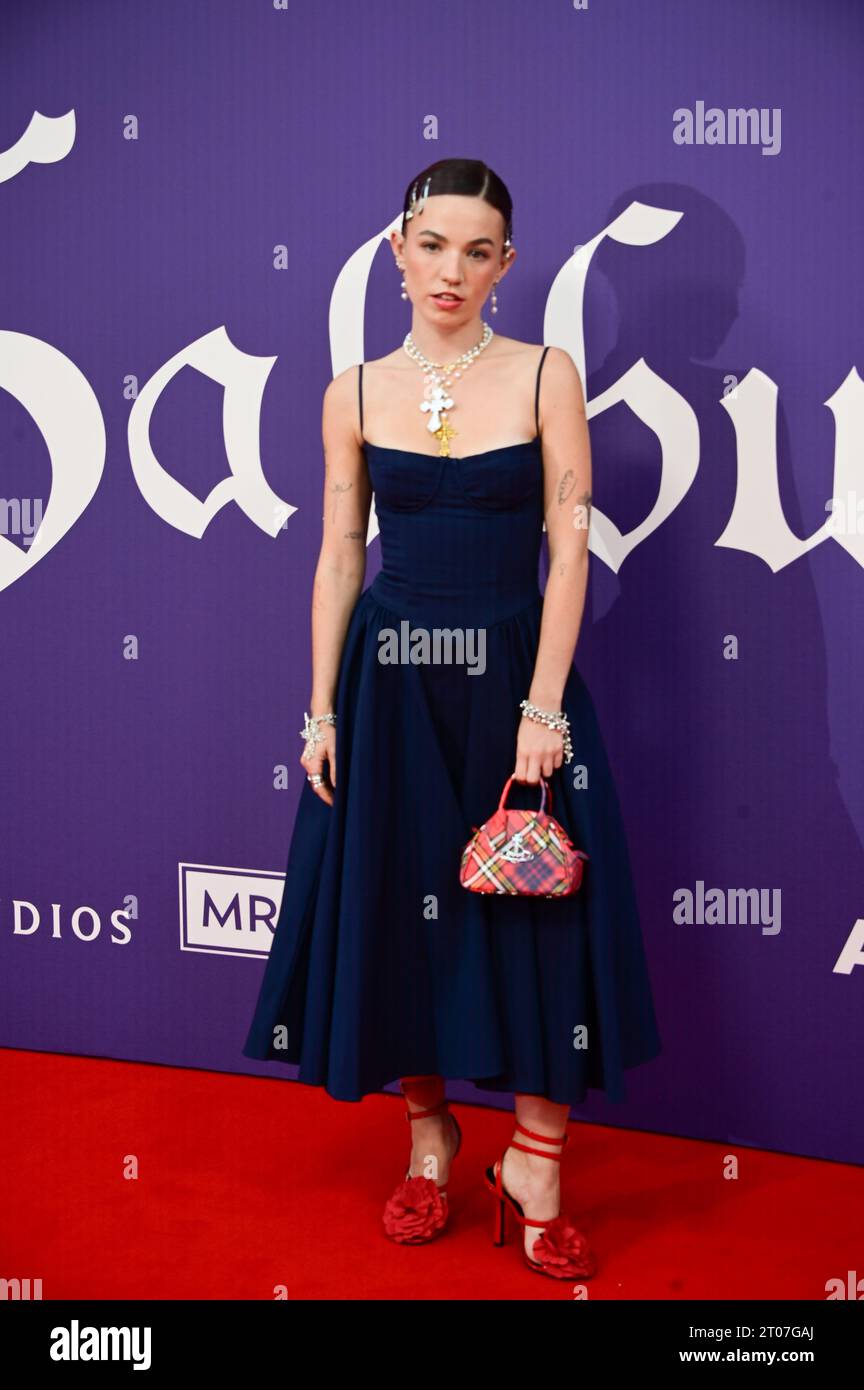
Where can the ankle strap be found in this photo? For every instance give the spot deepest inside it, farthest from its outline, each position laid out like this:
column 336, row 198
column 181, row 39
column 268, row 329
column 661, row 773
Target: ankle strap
column 420, row 1114
column 546, row 1138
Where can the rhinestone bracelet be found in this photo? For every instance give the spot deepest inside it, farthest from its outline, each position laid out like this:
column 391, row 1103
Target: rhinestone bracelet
column 557, row 721
column 311, row 731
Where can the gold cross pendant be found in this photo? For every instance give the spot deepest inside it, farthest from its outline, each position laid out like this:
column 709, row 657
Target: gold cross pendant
column 444, row 434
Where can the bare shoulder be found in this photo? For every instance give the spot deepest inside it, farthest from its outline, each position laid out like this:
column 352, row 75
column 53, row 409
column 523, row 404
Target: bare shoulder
column 561, row 381
column 340, row 413
column 343, row 388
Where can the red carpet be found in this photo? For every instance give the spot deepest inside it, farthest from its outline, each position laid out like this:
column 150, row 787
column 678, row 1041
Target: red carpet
column 247, row 1184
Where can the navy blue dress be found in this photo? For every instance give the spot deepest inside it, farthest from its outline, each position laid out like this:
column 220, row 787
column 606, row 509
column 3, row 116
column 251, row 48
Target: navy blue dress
column 382, row 965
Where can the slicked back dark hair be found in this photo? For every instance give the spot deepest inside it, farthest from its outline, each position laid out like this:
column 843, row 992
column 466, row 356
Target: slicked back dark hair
column 469, row 177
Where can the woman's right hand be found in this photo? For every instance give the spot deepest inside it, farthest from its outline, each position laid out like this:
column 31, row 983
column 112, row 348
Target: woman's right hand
column 322, row 762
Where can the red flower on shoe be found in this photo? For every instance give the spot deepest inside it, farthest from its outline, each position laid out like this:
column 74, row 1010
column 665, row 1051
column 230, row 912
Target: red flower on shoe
column 563, row 1251
column 416, row 1212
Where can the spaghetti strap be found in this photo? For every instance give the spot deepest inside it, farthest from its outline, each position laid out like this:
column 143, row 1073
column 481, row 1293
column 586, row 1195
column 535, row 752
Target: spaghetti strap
column 360, row 393
column 537, row 392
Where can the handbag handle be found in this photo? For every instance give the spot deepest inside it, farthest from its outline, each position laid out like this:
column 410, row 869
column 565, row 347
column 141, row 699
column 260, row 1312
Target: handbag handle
column 544, row 788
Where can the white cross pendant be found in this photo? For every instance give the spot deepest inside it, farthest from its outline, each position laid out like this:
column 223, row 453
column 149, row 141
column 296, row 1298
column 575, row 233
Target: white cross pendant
column 437, row 402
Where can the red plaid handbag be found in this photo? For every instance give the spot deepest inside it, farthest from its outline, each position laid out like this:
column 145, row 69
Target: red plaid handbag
column 521, row 852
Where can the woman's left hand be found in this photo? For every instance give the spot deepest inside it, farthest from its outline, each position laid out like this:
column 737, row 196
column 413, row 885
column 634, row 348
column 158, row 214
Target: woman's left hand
column 538, row 750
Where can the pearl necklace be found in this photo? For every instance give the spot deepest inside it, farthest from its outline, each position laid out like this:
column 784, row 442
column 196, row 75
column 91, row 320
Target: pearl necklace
column 438, row 378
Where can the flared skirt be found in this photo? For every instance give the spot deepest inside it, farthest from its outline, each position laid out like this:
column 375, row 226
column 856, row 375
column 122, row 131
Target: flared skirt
column 382, row 965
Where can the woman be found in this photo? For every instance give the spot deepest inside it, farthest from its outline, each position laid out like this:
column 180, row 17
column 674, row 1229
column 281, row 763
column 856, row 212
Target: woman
column 382, row 964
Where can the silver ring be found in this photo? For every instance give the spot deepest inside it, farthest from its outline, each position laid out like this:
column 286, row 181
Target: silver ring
column 316, row 779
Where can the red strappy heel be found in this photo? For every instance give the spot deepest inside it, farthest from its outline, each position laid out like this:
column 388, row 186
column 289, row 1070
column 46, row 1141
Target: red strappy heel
column 562, row 1250
column 418, row 1209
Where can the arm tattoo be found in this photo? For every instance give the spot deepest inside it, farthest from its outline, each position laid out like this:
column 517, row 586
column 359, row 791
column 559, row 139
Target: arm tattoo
column 566, row 486
column 337, row 488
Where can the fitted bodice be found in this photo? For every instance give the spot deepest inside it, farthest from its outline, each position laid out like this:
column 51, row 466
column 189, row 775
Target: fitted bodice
column 460, row 538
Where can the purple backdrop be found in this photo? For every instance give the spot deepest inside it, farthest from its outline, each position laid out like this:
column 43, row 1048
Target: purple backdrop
column 223, row 165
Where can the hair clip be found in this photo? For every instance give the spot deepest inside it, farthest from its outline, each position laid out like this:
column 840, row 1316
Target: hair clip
column 419, row 206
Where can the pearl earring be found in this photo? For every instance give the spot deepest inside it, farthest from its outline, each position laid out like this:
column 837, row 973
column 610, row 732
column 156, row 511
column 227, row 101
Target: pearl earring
column 508, row 249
